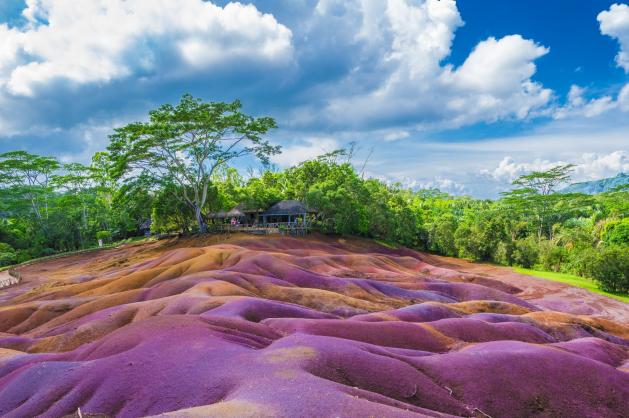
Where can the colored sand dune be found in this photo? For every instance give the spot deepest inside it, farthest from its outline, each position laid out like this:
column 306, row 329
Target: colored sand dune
column 296, row 328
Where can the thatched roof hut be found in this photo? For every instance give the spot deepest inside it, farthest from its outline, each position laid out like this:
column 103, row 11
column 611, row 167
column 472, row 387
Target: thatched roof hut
column 235, row 213
column 287, row 207
column 221, row 214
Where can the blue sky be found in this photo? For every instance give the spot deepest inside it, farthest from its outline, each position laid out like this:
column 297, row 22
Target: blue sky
column 458, row 95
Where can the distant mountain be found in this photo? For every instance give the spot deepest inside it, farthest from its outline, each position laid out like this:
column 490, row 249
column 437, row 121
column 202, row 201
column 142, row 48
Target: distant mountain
column 597, row 186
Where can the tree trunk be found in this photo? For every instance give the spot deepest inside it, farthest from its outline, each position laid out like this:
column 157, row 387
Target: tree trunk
column 200, row 221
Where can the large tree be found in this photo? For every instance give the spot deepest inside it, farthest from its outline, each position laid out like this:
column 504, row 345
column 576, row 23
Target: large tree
column 186, row 143
column 26, row 177
column 535, row 196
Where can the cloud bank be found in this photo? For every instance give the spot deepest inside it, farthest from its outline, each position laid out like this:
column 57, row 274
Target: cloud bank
column 330, row 71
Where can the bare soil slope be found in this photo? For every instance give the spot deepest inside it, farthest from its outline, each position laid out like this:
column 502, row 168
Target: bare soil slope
column 276, row 326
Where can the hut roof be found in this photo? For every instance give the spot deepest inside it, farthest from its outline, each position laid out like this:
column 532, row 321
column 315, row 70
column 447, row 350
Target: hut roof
column 245, row 209
column 218, row 215
column 288, row 207
column 235, row 213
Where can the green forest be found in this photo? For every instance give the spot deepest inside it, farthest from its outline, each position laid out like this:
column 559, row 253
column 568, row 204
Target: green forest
column 178, row 167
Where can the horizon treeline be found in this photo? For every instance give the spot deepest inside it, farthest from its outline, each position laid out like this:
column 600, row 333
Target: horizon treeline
column 177, row 168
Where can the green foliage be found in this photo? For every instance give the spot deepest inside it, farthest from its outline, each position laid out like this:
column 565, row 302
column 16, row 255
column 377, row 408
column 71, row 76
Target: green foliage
column 479, row 233
column 174, row 171
column 504, row 253
column 534, row 198
column 105, row 236
column 525, row 252
column 573, row 280
column 616, row 232
column 8, row 255
column 441, row 234
column 169, row 213
column 610, row 268
column 551, row 255
column 185, row 144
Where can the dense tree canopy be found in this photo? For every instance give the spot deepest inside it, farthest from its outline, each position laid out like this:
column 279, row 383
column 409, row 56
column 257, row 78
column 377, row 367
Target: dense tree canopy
column 174, row 171
column 185, row 144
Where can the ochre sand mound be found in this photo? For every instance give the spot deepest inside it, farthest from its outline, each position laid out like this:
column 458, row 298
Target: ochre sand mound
column 275, row 326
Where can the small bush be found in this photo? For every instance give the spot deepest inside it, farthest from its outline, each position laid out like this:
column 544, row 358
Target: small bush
column 616, row 232
column 23, row 255
column 7, row 255
column 610, row 268
column 103, row 235
column 45, row 252
column 7, row 259
column 578, row 261
column 551, row 256
column 526, row 252
column 504, row 253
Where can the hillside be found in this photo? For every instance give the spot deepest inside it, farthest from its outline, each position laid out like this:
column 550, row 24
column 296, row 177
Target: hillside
column 598, row 186
column 276, row 326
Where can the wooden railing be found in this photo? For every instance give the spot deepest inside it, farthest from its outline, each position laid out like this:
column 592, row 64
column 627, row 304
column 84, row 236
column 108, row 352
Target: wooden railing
column 284, row 228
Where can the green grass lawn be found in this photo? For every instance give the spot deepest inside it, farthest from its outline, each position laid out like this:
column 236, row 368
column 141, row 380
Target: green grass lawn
column 571, row 280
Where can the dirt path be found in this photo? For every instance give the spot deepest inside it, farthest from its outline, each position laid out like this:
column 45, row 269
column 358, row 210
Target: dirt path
column 544, row 293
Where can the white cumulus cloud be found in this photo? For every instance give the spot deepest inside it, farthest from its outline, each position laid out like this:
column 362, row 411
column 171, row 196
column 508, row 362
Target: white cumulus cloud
column 596, row 166
column 623, row 98
column 495, row 80
column 443, row 184
column 615, row 23
column 590, row 166
column 578, row 105
column 307, row 149
column 415, row 37
column 95, row 41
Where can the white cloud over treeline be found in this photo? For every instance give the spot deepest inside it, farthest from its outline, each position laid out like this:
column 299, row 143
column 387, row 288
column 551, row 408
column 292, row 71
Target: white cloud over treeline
column 590, row 166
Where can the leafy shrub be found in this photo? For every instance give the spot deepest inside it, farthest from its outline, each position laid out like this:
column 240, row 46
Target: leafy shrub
column 45, row 252
column 441, row 235
column 104, row 235
column 504, row 253
column 610, row 268
column 616, row 232
column 578, row 261
column 23, row 255
column 7, row 255
column 551, row 256
column 526, row 252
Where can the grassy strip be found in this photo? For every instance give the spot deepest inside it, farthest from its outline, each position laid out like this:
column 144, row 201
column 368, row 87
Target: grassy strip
column 572, row 280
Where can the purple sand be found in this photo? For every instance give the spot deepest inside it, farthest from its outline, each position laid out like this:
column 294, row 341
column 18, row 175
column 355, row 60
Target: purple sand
column 302, row 328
